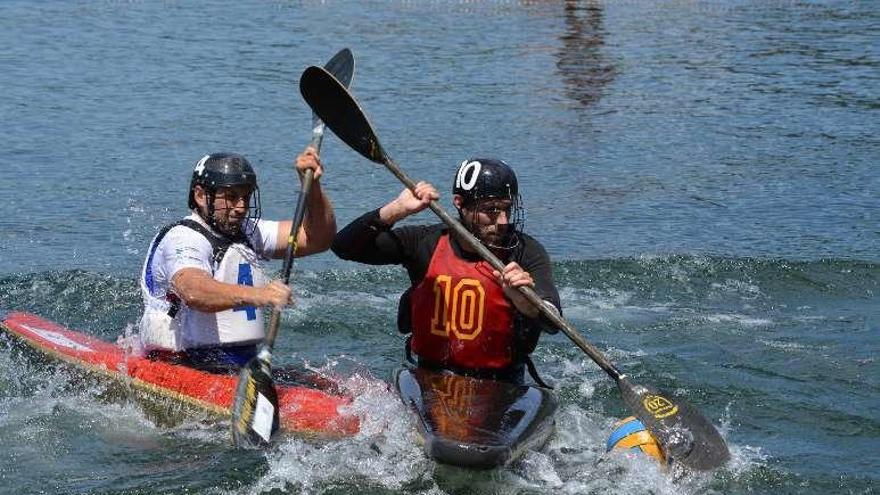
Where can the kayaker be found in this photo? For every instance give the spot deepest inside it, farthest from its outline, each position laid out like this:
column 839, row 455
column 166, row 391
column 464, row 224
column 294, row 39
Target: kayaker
column 460, row 313
column 202, row 282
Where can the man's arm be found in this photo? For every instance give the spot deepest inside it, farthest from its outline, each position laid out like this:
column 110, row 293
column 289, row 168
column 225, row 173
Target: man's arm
column 319, row 224
column 533, row 270
column 200, row 291
column 369, row 239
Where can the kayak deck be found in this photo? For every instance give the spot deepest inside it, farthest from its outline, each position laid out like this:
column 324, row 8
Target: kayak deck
column 303, row 410
column 473, row 422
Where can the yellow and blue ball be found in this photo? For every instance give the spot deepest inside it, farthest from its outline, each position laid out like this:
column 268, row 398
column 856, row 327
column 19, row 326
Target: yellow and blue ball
column 631, row 435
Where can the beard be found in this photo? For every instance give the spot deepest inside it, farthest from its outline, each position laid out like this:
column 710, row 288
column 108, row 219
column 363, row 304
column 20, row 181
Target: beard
column 493, row 236
column 227, row 224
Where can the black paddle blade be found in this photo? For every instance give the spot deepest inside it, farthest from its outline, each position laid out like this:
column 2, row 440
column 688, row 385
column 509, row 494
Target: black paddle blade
column 341, row 66
column 333, row 104
column 683, row 433
column 255, row 411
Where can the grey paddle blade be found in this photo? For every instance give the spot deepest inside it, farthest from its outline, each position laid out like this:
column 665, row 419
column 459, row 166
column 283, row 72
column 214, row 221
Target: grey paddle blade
column 684, row 434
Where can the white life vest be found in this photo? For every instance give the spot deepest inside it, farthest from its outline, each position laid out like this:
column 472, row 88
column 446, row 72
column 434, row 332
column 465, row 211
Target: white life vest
column 170, row 325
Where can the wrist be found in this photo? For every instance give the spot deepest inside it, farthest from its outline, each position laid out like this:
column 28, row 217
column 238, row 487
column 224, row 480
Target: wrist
column 253, row 296
column 302, row 175
column 391, row 213
column 239, row 296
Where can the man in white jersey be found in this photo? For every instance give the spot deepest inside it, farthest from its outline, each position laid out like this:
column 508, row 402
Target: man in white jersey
column 203, row 282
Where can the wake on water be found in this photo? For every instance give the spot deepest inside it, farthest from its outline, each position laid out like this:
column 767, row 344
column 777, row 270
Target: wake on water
column 47, row 407
column 629, row 303
column 386, row 455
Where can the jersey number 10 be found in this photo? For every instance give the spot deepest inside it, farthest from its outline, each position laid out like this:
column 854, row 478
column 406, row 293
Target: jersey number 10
column 458, row 309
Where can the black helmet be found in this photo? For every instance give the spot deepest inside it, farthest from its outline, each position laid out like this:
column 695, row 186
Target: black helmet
column 221, row 170
column 218, row 170
column 482, row 179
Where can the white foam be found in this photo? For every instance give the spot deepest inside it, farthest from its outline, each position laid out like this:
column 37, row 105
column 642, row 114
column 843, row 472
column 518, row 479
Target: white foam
column 304, row 302
column 742, row 320
column 605, row 306
column 739, row 287
column 385, row 451
column 787, row 346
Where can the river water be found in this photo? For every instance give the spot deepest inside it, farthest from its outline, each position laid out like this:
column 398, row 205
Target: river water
column 701, row 172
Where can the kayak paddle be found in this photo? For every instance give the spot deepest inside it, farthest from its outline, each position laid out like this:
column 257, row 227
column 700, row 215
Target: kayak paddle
column 683, row 433
column 255, row 407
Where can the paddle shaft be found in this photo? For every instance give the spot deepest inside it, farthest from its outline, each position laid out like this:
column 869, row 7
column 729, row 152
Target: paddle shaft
column 343, row 63
column 290, row 252
column 468, row 238
column 298, row 216
column 255, row 415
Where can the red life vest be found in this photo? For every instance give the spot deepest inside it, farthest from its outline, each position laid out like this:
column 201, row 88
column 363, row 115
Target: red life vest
column 460, row 316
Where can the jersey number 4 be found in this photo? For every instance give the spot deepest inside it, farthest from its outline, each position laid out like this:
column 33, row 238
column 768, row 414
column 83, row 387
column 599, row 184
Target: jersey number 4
column 245, row 277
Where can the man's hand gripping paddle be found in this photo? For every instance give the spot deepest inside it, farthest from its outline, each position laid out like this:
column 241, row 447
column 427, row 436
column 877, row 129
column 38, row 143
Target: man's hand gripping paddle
column 255, row 408
column 683, row 433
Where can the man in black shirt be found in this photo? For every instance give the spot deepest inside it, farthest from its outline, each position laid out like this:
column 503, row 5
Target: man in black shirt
column 462, row 314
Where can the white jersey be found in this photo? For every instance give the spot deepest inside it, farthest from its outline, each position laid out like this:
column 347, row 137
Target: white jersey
column 171, row 326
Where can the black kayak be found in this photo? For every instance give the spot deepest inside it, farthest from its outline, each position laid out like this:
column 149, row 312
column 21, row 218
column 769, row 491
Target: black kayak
column 475, row 422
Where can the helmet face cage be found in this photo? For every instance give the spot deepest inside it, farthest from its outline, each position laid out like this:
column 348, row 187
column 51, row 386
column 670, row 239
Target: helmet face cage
column 220, row 170
column 248, row 225
column 515, row 221
column 480, row 181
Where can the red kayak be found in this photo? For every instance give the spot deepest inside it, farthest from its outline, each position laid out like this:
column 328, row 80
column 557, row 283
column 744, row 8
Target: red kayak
column 303, row 410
